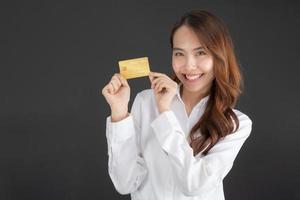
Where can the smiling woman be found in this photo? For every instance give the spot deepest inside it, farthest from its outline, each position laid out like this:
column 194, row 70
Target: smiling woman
column 182, row 136
column 204, row 61
column 192, row 65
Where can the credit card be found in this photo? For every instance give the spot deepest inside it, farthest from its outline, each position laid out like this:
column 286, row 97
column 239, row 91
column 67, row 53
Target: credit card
column 134, row 68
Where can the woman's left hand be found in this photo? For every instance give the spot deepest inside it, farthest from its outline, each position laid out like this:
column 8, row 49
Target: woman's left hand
column 164, row 89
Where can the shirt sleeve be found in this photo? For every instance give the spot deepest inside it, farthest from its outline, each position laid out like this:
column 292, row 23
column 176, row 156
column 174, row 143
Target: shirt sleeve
column 126, row 165
column 197, row 174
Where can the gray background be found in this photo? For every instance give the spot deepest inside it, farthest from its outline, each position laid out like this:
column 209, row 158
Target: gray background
column 57, row 56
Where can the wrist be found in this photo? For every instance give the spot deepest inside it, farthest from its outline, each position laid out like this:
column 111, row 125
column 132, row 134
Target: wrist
column 161, row 110
column 119, row 116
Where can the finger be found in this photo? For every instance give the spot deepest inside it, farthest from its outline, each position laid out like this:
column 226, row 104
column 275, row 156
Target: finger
column 116, row 82
column 123, row 80
column 161, row 86
column 110, row 88
column 116, row 79
column 105, row 90
column 165, row 83
column 150, row 78
column 114, row 86
column 156, row 80
column 156, row 87
column 153, row 82
column 157, row 74
column 158, row 83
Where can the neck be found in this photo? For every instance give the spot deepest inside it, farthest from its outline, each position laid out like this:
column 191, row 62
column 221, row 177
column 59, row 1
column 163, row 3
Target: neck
column 191, row 98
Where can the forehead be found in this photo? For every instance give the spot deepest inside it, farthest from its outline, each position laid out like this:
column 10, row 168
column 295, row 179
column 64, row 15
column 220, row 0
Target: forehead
column 185, row 37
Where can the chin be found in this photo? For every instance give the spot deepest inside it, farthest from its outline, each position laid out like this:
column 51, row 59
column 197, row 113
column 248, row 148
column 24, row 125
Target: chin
column 193, row 89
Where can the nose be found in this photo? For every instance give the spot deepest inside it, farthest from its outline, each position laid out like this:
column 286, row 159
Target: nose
column 191, row 63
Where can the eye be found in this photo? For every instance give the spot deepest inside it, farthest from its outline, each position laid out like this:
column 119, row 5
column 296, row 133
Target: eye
column 200, row 53
column 178, row 54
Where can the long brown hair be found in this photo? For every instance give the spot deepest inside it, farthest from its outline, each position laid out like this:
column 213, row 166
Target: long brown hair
column 218, row 118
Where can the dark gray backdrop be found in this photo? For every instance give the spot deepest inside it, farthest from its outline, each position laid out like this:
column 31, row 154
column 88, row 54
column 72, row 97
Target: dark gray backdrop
column 57, row 56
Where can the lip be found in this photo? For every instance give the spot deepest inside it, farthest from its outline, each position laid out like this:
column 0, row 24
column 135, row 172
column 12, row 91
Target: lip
column 192, row 81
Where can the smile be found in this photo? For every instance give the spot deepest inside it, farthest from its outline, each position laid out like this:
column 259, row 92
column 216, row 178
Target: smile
column 193, row 77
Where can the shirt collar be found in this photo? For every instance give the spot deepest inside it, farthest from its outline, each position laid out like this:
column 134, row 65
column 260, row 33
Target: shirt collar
column 201, row 103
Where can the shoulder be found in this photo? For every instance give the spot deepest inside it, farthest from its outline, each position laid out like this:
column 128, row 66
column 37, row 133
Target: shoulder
column 245, row 122
column 242, row 116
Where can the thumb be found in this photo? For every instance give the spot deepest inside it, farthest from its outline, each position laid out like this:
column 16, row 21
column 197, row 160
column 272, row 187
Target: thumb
column 124, row 81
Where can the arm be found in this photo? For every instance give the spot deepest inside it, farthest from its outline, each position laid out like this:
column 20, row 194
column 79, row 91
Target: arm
column 196, row 175
column 126, row 165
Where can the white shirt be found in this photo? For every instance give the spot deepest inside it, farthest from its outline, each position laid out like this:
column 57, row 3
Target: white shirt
column 150, row 157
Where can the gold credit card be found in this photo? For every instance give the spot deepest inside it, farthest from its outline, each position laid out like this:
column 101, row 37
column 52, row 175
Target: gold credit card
column 134, row 68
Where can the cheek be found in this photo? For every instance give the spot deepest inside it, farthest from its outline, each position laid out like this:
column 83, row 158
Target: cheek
column 177, row 64
column 206, row 65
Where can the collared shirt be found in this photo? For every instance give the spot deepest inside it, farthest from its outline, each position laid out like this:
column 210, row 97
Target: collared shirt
column 149, row 156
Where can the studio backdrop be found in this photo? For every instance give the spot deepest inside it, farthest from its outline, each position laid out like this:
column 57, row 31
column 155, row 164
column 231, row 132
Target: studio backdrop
column 56, row 56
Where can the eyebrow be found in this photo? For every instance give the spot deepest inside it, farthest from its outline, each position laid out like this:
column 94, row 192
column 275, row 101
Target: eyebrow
column 198, row 48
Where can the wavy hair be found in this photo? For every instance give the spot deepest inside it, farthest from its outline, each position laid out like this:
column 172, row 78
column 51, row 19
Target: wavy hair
column 218, row 119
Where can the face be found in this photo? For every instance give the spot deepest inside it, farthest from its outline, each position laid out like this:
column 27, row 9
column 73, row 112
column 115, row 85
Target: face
column 191, row 63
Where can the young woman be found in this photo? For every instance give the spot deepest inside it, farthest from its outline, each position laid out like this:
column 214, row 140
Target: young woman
column 182, row 136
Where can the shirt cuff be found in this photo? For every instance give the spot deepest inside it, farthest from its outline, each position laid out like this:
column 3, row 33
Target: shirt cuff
column 121, row 130
column 164, row 126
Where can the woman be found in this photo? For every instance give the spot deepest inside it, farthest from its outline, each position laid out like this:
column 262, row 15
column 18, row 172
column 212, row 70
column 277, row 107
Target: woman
column 181, row 137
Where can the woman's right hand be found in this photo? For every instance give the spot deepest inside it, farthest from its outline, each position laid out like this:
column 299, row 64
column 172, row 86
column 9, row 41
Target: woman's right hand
column 117, row 95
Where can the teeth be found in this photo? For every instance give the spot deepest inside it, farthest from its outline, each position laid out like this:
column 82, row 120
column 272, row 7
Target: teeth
column 192, row 77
